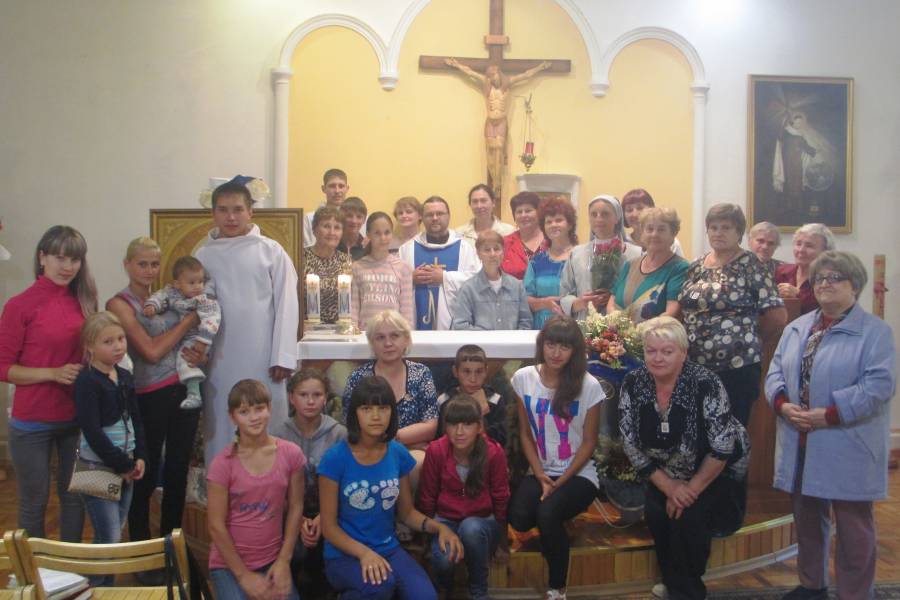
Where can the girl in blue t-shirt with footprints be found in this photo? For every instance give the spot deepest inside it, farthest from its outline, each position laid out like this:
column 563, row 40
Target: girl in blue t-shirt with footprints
column 363, row 482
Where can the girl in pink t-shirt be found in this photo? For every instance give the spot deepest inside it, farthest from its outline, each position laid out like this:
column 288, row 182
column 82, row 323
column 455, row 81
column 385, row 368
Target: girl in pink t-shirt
column 252, row 484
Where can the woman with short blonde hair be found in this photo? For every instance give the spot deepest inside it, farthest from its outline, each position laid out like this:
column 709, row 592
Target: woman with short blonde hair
column 680, row 435
column 390, row 337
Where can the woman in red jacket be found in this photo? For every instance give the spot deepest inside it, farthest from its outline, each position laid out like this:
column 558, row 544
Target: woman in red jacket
column 40, row 353
column 464, row 484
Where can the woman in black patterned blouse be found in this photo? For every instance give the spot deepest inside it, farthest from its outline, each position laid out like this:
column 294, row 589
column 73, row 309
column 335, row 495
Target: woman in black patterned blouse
column 325, row 260
column 730, row 305
column 679, row 433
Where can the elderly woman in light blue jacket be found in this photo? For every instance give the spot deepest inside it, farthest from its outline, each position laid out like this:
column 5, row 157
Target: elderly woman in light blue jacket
column 830, row 383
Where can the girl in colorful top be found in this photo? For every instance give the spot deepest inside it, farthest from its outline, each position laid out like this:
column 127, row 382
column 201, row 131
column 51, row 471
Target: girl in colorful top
column 363, row 486
column 252, row 484
column 40, row 353
column 381, row 281
column 558, row 422
column 465, row 483
column 314, row 432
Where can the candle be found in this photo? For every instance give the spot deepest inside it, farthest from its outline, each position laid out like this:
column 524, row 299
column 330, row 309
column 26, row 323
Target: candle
column 312, row 297
column 344, row 282
column 529, row 147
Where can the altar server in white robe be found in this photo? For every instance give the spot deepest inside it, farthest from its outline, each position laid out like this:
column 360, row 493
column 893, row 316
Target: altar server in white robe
column 441, row 263
column 256, row 285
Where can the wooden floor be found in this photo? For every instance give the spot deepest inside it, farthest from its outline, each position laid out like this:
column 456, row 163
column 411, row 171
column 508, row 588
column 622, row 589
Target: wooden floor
column 887, row 516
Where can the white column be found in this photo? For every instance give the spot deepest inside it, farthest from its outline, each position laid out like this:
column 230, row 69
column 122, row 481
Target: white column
column 281, row 80
column 698, row 241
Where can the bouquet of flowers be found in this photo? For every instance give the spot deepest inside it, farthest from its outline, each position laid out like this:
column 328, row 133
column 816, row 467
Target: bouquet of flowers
column 613, row 337
column 605, row 263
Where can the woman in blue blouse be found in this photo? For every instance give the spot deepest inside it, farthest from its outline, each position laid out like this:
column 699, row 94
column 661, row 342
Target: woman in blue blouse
column 557, row 220
column 389, row 336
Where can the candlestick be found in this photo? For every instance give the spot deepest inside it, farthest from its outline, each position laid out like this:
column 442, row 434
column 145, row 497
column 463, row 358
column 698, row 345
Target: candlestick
column 312, row 298
column 344, row 282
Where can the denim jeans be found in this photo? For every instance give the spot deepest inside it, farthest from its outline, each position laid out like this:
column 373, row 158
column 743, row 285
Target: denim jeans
column 226, row 586
column 30, row 452
column 406, row 581
column 108, row 518
column 479, row 537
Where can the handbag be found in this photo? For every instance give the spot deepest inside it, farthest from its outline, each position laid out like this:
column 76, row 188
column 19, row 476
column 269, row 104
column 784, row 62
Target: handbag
column 94, row 478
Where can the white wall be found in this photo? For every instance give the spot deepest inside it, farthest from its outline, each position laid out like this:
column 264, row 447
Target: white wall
column 109, row 109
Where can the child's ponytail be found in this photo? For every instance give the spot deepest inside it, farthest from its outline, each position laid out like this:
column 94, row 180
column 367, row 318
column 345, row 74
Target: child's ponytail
column 477, row 464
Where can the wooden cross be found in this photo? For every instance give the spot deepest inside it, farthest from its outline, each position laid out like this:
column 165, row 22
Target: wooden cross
column 519, row 69
column 495, row 40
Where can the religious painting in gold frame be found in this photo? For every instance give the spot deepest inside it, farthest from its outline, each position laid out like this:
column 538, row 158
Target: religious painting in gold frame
column 179, row 232
column 800, row 151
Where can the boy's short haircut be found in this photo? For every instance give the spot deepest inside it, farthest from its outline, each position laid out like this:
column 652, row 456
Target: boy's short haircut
column 469, row 353
column 331, row 174
column 186, row 264
column 229, row 188
column 488, row 237
column 325, row 213
column 354, row 204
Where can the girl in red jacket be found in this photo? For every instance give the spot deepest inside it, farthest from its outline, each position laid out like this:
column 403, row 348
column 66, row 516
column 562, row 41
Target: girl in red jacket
column 465, row 485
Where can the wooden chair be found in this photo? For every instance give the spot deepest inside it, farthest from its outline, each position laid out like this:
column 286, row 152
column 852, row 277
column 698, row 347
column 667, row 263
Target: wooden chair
column 101, row 559
column 9, row 561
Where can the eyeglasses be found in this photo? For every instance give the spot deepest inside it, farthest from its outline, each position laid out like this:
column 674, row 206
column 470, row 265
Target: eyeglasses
column 830, row 278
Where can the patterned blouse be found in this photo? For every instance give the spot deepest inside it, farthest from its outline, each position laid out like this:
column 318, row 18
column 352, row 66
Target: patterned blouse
column 678, row 440
column 417, row 406
column 721, row 306
column 328, row 270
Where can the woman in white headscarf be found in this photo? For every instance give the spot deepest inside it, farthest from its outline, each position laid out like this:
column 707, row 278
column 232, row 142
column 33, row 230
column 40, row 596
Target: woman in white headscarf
column 591, row 265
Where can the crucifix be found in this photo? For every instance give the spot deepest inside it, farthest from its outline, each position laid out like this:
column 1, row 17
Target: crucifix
column 496, row 75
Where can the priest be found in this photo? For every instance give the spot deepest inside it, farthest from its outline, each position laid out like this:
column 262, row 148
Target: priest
column 441, row 263
column 256, row 285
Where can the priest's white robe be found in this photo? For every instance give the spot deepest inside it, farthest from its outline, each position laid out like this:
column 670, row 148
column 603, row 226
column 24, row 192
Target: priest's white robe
column 468, row 265
column 256, row 285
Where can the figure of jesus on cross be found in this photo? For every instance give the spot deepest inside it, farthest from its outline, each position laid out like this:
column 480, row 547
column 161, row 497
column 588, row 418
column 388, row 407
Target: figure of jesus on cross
column 496, row 75
column 496, row 86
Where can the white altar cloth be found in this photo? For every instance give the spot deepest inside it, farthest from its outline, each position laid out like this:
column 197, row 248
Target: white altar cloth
column 425, row 345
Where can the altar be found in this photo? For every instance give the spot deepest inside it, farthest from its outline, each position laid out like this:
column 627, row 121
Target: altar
column 426, row 346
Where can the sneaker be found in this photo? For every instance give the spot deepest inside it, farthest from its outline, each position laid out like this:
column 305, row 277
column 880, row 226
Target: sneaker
column 659, row 591
column 191, row 402
column 803, row 593
column 554, row 595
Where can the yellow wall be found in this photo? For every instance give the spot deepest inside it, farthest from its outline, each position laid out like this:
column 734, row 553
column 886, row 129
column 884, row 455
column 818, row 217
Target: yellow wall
column 425, row 137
